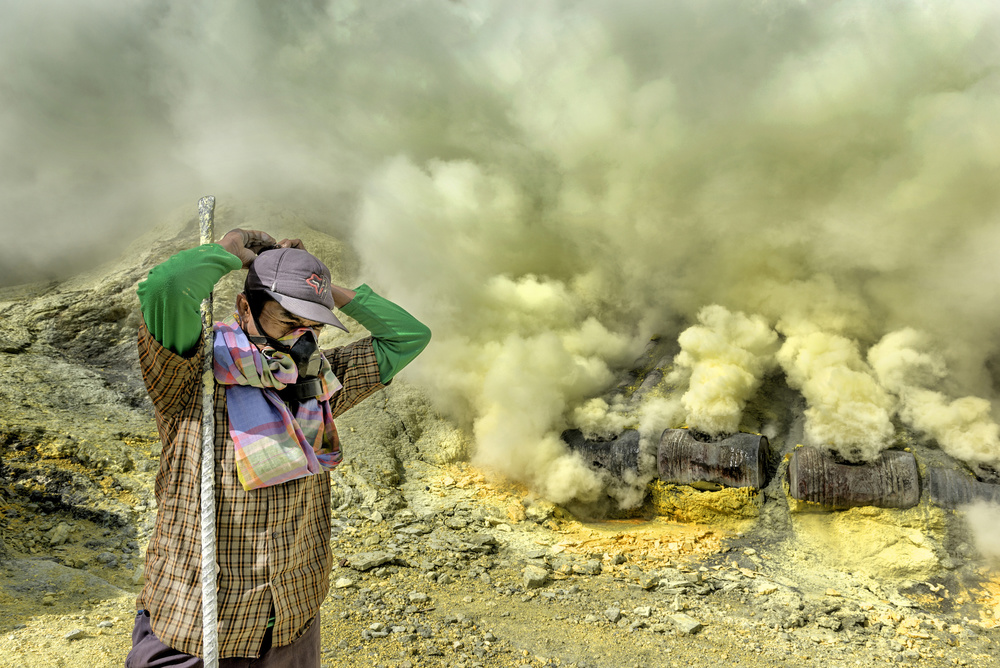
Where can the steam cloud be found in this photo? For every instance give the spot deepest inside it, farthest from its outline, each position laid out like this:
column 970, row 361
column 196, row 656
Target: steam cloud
column 549, row 184
column 722, row 362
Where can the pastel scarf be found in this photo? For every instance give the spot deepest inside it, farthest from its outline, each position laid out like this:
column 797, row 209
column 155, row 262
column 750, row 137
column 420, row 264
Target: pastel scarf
column 272, row 445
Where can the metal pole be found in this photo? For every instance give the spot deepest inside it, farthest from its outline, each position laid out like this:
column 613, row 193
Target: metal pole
column 209, row 612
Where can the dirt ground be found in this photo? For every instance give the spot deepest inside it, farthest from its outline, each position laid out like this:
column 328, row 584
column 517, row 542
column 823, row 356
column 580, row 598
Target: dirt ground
column 483, row 613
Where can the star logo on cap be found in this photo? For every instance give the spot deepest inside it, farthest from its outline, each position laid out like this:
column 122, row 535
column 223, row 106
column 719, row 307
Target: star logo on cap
column 317, row 283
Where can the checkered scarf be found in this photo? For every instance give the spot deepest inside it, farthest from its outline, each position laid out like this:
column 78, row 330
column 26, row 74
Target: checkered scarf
column 272, row 445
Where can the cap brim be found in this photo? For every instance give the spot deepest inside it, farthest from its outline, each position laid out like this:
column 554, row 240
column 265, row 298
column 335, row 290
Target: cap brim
column 308, row 310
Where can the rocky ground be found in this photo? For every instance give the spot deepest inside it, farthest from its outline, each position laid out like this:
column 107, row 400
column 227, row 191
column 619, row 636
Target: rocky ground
column 438, row 564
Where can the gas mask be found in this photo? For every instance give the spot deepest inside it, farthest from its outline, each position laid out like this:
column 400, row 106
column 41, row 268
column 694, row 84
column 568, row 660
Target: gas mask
column 301, row 345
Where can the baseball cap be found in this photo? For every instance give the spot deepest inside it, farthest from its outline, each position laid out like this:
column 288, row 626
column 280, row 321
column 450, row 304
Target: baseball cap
column 298, row 281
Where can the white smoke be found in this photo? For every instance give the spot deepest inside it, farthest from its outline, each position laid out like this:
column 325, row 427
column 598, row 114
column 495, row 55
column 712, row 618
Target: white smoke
column 549, row 184
column 722, row 362
column 908, row 366
column 848, row 410
column 983, row 519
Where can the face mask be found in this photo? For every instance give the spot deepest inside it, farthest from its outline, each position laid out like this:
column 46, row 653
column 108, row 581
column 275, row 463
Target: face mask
column 304, row 349
column 301, row 345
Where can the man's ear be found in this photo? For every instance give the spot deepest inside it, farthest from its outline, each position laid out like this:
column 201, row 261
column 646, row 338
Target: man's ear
column 242, row 307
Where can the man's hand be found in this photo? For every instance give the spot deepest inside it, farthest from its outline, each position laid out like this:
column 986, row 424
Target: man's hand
column 246, row 244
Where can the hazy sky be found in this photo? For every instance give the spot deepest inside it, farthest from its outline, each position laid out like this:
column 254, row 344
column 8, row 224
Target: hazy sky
column 550, row 183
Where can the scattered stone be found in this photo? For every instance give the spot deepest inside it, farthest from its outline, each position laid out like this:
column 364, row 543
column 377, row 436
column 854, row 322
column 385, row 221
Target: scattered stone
column 481, row 542
column 415, row 529
column 343, row 583
column 649, row 580
column 60, row 534
column 827, row 622
column 75, row 634
column 534, row 577
column 540, row 511
column 686, row 624
column 419, row 597
column 613, row 614
column 765, row 588
column 364, row 561
column 589, row 567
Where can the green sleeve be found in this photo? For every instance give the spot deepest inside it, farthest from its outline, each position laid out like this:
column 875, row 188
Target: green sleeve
column 397, row 336
column 171, row 295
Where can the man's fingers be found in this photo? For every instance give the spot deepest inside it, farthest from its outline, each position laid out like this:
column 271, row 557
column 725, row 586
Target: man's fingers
column 257, row 241
column 292, row 243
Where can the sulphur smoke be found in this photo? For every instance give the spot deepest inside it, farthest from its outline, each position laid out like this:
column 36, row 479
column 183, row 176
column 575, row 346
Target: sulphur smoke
column 549, row 184
column 722, row 362
column 908, row 366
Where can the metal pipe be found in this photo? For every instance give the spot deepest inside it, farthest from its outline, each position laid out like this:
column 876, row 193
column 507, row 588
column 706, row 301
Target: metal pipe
column 738, row 460
column 891, row 481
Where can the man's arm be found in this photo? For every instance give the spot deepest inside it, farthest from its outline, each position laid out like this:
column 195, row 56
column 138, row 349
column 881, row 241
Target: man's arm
column 172, row 294
column 397, row 336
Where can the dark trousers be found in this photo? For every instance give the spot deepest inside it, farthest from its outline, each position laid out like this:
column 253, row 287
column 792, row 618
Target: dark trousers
column 148, row 652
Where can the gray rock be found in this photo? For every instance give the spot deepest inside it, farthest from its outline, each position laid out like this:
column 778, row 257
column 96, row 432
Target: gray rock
column 364, row 561
column 613, row 615
column 75, row 634
column 534, row 577
column 686, row 624
column 415, row 530
column 826, row 622
column 540, row 511
column 482, row 542
column 589, row 567
column 650, row 581
column 59, row 534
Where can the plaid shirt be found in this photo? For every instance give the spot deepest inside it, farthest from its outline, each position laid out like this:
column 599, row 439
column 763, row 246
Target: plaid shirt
column 273, row 544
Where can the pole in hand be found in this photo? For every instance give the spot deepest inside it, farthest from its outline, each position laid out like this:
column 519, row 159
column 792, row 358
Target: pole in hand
column 209, row 612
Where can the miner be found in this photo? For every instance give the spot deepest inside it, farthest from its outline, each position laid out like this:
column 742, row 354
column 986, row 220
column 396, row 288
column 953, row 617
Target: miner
column 275, row 399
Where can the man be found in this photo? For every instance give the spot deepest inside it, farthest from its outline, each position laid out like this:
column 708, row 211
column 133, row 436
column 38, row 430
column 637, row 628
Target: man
column 275, row 440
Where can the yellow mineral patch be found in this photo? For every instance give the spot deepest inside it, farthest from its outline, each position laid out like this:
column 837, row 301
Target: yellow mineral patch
column 881, row 542
column 655, row 540
column 731, row 507
column 989, row 600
